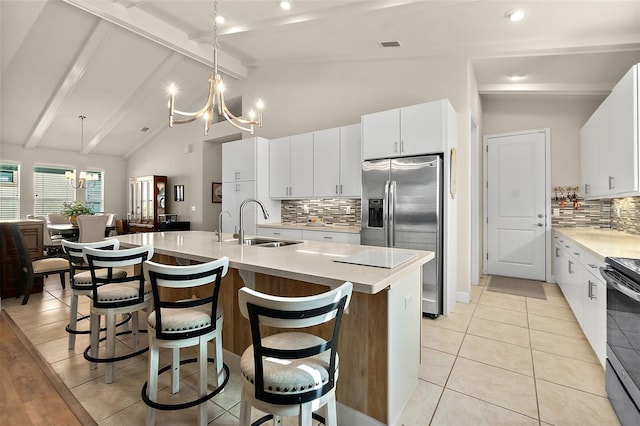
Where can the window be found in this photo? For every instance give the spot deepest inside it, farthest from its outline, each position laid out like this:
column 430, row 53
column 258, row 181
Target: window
column 9, row 191
column 50, row 189
column 95, row 194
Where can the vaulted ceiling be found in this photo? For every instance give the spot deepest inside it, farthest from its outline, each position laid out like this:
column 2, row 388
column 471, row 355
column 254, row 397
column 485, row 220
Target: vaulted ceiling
column 112, row 60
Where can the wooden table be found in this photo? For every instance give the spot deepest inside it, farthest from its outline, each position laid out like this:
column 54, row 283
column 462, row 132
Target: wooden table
column 72, row 231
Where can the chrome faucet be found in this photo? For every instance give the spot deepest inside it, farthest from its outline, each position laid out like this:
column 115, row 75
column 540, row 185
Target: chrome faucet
column 264, row 213
column 220, row 224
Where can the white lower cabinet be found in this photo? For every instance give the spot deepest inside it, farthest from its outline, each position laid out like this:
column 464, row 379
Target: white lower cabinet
column 295, row 234
column 333, row 237
column 576, row 272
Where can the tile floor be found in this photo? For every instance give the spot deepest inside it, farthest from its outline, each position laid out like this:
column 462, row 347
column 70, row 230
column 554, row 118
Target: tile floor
column 499, row 360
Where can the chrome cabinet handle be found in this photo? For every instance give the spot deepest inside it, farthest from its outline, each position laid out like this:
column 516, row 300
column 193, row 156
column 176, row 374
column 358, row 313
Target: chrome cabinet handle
column 276, row 233
column 336, row 189
column 592, row 294
column 557, row 252
column 538, row 224
column 570, row 265
column 395, row 146
column 328, row 238
column 341, row 188
column 401, row 146
column 586, row 188
column 612, row 182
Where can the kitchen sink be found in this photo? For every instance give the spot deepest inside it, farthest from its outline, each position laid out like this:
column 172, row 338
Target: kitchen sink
column 265, row 242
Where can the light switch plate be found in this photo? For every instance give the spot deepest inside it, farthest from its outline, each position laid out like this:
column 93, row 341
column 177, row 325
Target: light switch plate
column 556, row 212
column 193, row 209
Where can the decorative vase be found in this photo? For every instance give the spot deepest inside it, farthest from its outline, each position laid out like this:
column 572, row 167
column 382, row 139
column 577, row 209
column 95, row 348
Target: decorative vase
column 73, row 220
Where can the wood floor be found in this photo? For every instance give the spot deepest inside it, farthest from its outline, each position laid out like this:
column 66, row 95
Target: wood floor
column 30, row 392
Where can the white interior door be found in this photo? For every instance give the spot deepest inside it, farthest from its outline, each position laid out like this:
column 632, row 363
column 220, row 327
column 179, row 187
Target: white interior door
column 517, row 204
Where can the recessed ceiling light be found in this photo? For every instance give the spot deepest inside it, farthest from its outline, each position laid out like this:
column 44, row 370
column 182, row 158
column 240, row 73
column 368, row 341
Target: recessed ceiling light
column 221, row 19
column 286, row 5
column 515, row 15
column 517, row 76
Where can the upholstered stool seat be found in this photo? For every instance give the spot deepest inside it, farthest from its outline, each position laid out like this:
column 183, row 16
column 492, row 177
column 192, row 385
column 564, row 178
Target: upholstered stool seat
column 184, row 323
column 120, row 292
column 81, row 282
column 48, row 264
column 298, row 375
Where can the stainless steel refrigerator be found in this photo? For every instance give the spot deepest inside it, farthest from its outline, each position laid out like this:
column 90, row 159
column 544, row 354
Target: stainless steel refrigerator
column 402, row 207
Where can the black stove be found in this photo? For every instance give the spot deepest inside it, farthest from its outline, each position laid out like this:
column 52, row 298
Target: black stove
column 623, row 337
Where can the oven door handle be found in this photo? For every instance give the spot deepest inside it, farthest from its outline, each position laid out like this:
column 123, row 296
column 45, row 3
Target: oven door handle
column 616, row 285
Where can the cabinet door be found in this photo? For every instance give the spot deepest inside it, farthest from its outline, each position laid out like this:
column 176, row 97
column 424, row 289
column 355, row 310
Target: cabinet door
column 577, row 289
column 595, row 313
column 326, row 163
column 233, row 194
column 280, row 233
column 279, row 166
column 350, row 162
column 381, row 134
column 331, row 237
column 239, row 160
column 620, row 152
column 301, row 177
column 589, row 161
column 422, row 129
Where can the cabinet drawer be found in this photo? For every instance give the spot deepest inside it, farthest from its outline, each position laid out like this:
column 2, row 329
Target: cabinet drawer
column 280, row 233
column 333, row 237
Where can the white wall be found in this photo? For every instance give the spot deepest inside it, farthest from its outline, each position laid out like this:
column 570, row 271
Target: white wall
column 115, row 174
column 565, row 117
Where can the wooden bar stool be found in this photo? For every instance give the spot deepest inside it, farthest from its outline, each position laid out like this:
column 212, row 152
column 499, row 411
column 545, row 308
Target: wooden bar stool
column 194, row 321
column 291, row 373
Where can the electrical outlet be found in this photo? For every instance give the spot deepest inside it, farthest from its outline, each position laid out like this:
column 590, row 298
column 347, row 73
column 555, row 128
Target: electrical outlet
column 617, row 211
column 305, row 208
column 193, row 209
column 348, row 209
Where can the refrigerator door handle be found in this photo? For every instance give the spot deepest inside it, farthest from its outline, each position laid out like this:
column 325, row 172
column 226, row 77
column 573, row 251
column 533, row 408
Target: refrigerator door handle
column 392, row 208
column 385, row 213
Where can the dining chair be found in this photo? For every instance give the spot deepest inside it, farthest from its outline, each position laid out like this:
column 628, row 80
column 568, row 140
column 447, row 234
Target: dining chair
column 80, row 278
column 91, row 228
column 111, row 296
column 31, row 269
column 291, row 373
column 52, row 246
column 57, row 219
column 191, row 322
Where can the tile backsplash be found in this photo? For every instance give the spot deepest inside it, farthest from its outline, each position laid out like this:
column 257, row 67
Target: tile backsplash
column 622, row 214
column 341, row 211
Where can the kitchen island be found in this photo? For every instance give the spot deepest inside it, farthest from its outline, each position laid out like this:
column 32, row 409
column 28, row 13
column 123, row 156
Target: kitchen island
column 379, row 343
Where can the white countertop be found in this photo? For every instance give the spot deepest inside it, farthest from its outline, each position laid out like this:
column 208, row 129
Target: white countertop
column 304, row 226
column 604, row 242
column 310, row 261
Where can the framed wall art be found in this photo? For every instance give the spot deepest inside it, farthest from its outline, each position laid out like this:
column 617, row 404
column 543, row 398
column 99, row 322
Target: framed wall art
column 216, row 192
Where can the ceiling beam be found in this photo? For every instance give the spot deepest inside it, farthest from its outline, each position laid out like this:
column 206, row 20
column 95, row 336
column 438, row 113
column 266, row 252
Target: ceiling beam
column 154, row 29
column 151, row 83
column 550, row 89
column 68, row 83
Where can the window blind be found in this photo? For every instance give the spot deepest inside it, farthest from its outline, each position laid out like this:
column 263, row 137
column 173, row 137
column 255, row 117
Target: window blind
column 9, row 191
column 95, row 194
column 50, row 190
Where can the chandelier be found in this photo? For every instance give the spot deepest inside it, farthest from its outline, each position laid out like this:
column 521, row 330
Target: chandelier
column 85, row 179
column 215, row 98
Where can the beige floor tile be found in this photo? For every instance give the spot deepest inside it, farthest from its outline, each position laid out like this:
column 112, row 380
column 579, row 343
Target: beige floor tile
column 573, row 373
column 504, row 388
column 136, row 414
column 560, row 405
column 422, row 404
column 476, row 292
column 47, row 332
column 103, row 400
column 458, row 409
column 551, row 288
column 435, row 366
column 576, row 348
column 464, row 308
column 498, row 331
column 557, row 301
column 551, row 311
column 30, row 319
column 555, row 326
column 454, row 321
column 441, row 339
column 506, row 316
column 501, row 300
column 499, row 354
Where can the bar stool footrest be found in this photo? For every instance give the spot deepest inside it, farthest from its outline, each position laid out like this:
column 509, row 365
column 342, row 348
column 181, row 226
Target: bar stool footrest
column 189, row 404
column 117, row 358
column 268, row 417
column 84, row 317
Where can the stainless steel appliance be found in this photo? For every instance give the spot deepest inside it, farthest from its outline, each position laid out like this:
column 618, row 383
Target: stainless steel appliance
column 402, row 207
column 623, row 337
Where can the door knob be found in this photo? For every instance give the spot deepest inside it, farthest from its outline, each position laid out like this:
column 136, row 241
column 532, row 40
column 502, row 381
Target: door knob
column 540, row 215
column 538, row 224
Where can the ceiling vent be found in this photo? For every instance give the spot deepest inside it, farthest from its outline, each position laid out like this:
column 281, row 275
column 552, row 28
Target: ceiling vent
column 389, row 44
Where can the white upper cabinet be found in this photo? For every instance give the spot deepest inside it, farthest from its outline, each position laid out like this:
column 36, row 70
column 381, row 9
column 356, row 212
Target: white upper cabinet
column 413, row 130
column 291, row 166
column 239, row 160
column 610, row 152
column 336, row 157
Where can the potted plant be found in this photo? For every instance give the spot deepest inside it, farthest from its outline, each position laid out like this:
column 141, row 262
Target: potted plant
column 74, row 209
